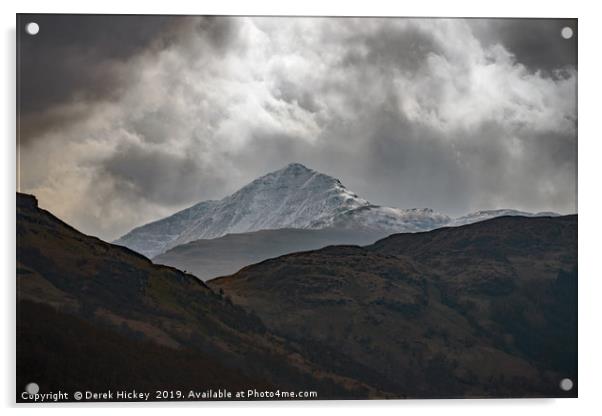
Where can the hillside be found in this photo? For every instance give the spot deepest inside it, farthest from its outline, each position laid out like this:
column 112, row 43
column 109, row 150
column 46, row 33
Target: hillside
column 487, row 309
column 99, row 302
column 228, row 254
column 484, row 310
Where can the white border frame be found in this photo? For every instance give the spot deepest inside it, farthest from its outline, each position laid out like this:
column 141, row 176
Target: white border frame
column 590, row 286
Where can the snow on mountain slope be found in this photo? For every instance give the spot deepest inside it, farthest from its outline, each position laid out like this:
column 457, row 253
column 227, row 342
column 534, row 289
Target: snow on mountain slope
column 394, row 220
column 292, row 197
column 489, row 214
column 152, row 238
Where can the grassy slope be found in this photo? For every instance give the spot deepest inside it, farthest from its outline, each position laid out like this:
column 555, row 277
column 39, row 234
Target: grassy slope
column 114, row 289
column 487, row 309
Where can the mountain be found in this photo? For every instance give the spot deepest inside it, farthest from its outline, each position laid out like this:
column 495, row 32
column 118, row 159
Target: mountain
column 228, row 254
column 478, row 216
column 210, row 258
column 92, row 315
column 482, row 310
column 292, row 197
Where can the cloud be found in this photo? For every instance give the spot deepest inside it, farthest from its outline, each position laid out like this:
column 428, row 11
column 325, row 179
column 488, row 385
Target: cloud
column 536, row 43
column 406, row 112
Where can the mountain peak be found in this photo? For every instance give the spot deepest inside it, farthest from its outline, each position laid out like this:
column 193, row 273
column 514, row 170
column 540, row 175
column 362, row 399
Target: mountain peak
column 292, row 170
column 292, row 179
column 296, row 166
column 294, row 196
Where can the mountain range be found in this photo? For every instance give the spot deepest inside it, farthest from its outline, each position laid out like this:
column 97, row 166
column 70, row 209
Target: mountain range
column 209, row 258
column 292, row 197
column 482, row 310
column 486, row 309
column 96, row 316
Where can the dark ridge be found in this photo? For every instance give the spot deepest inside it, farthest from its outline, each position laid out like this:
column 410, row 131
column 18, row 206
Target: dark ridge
column 482, row 310
column 513, row 223
column 64, row 352
column 30, row 203
column 101, row 291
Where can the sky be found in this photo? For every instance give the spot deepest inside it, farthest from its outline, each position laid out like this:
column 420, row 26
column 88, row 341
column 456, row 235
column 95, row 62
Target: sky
column 127, row 119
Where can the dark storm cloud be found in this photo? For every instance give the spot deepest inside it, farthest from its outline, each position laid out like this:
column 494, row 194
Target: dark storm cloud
column 135, row 169
column 536, row 43
column 443, row 113
column 85, row 58
column 73, row 55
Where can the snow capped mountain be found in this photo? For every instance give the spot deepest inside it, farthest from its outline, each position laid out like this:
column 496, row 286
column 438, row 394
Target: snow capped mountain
column 488, row 214
column 393, row 220
column 292, row 197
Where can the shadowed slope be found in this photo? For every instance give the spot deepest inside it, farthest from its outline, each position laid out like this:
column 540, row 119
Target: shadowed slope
column 226, row 255
column 97, row 289
column 487, row 309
